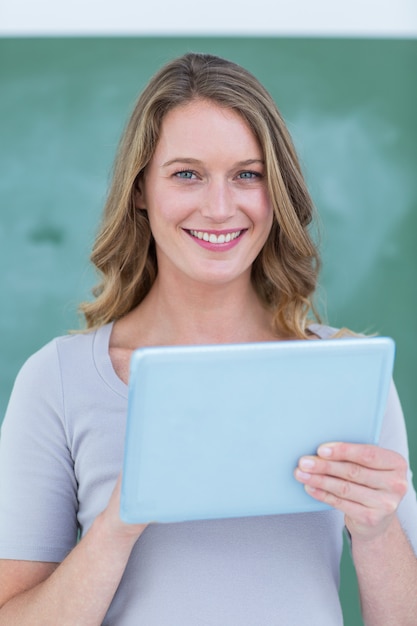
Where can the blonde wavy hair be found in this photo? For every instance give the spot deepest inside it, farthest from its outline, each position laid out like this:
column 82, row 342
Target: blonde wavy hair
column 285, row 272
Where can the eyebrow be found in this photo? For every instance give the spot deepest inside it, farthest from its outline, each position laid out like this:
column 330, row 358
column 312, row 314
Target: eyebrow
column 192, row 161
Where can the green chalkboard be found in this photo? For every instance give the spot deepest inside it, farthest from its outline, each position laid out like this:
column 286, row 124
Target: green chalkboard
column 350, row 105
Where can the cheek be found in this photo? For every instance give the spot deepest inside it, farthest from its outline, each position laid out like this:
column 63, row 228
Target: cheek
column 267, row 213
column 264, row 205
column 256, row 204
column 268, row 220
column 160, row 211
column 167, row 207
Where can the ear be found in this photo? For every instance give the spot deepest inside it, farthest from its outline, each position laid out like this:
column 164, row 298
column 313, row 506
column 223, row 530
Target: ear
column 139, row 196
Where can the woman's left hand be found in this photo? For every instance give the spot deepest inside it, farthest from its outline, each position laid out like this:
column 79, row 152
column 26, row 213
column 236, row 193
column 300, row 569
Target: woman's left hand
column 365, row 482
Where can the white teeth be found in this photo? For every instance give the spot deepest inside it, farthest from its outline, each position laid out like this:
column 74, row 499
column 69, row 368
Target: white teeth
column 212, row 238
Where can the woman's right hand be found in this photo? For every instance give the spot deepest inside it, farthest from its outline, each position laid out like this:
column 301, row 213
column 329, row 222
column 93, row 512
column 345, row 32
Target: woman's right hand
column 81, row 588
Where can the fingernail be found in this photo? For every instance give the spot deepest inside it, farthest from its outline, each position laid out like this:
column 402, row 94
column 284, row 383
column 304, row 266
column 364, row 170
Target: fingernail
column 302, row 475
column 325, row 451
column 306, row 463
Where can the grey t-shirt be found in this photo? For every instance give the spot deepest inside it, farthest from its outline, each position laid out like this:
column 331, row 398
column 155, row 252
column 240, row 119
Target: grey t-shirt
column 61, row 452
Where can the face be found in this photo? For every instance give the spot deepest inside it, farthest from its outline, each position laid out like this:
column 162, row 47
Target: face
column 206, row 195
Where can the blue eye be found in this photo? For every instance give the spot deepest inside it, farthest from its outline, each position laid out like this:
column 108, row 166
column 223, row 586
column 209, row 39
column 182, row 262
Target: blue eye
column 249, row 175
column 187, row 174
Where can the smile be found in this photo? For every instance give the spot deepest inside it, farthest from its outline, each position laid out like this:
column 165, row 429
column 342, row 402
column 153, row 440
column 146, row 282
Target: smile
column 213, row 238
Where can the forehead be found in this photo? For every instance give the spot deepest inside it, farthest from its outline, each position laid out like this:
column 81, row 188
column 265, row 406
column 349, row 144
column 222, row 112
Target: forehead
column 201, row 124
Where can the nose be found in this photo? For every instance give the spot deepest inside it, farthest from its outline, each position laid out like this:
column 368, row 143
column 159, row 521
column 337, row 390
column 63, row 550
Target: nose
column 218, row 204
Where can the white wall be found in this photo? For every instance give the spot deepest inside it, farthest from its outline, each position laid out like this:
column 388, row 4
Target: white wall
column 369, row 18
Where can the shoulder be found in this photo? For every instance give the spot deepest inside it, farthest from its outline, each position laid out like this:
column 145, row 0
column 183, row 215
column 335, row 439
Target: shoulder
column 54, row 377
column 323, row 331
column 63, row 358
column 47, row 360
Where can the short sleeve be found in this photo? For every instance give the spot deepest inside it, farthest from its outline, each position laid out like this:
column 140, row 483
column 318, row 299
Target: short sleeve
column 394, row 437
column 38, row 490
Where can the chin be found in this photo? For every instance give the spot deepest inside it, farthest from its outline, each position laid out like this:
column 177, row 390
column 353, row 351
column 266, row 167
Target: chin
column 220, row 279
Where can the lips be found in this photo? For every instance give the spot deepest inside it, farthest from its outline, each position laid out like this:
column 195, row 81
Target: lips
column 214, row 238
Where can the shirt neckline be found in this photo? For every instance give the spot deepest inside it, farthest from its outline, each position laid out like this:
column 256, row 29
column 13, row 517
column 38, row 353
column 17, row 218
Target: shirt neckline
column 102, row 360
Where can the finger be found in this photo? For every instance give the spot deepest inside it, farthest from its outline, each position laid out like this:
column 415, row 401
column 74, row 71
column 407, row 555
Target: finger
column 359, row 518
column 367, row 455
column 358, row 512
column 338, row 492
column 352, row 472
column 362, row 510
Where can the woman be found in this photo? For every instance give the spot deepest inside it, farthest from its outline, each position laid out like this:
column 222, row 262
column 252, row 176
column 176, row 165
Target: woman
column 204, row 240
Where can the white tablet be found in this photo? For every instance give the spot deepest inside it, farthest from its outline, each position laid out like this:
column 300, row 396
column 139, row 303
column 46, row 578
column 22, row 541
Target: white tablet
column 217, row 431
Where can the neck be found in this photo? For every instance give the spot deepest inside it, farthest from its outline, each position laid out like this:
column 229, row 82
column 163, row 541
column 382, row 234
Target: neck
column 199, row 314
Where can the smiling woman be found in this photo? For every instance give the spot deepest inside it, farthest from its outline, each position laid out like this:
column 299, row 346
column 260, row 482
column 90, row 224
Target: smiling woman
column 204, row 240
column 225, row 204
column 209, row 120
